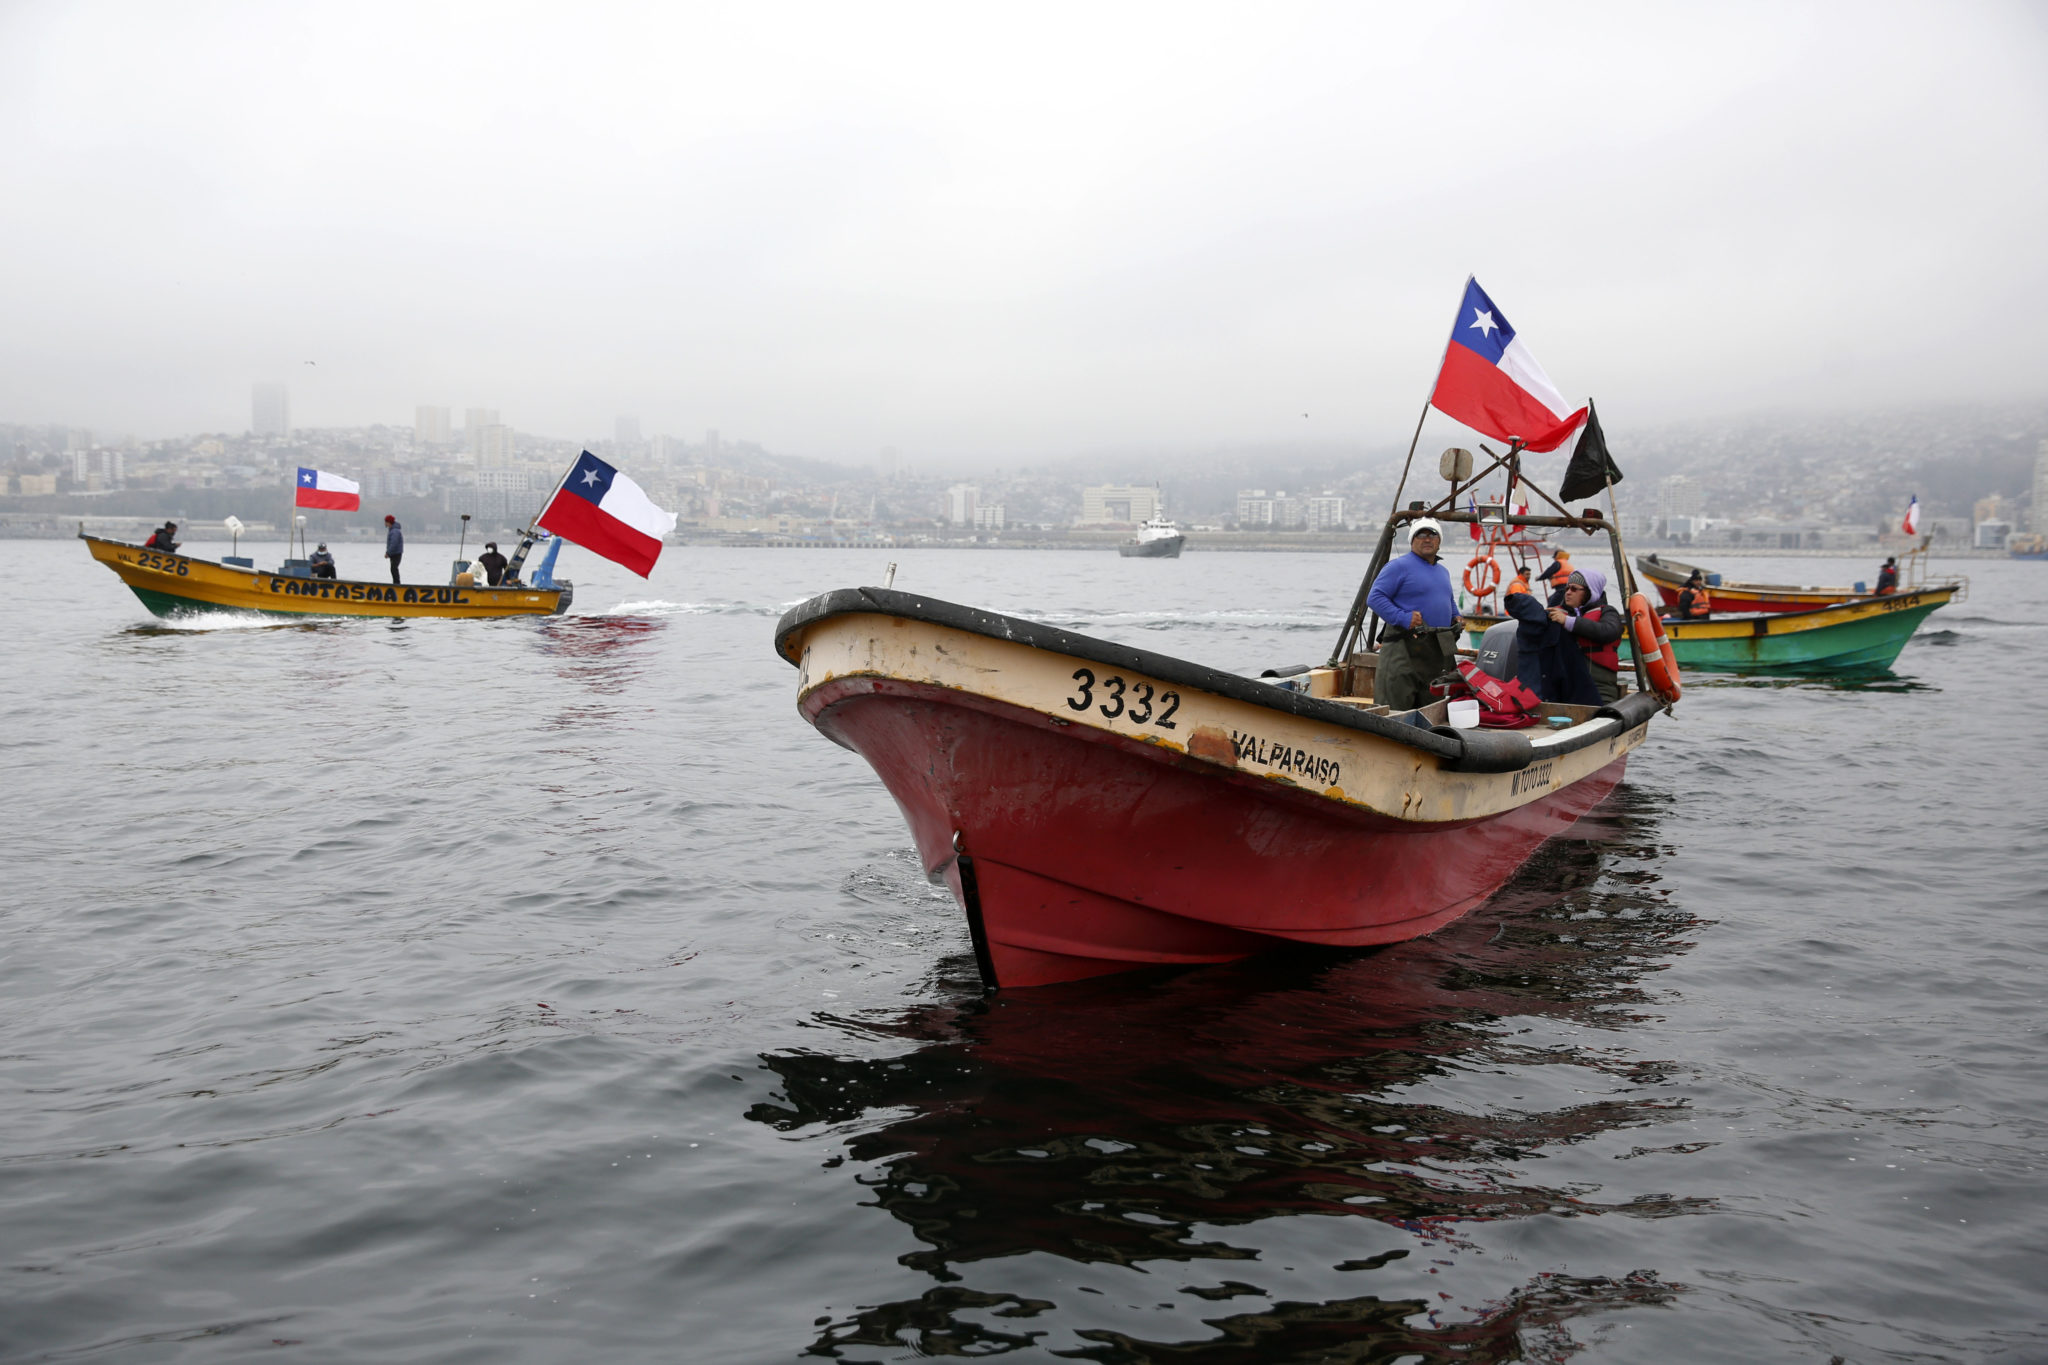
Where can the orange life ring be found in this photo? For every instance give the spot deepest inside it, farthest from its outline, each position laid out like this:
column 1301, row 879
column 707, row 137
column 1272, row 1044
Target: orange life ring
column 1653, row 649
column 1486, row 565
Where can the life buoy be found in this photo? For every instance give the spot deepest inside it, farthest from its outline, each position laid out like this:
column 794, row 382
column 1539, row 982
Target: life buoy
column 1653, row 649
column 1489, row 575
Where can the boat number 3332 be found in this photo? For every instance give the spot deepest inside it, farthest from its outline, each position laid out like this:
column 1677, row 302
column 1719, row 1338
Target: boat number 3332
column 1117, row 697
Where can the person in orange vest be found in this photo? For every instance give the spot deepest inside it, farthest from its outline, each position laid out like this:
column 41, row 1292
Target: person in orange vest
column 1557, row 570
column 1694, row 601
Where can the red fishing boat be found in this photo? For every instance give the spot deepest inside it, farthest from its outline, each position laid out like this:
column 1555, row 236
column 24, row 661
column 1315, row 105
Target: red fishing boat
column 1731, row 596
column 1097, row 808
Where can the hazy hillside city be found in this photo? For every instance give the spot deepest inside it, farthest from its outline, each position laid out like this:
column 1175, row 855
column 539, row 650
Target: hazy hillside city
column 1816, row 482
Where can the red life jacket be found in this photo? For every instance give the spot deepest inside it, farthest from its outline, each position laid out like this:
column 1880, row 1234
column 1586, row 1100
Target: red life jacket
column 1504, row 703
column 1608, row 656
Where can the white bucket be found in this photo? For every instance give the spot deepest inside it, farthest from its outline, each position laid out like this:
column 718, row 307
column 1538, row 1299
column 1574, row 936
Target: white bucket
column 1465, row 714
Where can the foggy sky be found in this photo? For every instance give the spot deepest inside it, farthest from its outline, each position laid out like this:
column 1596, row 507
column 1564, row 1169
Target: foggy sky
column 975, row 232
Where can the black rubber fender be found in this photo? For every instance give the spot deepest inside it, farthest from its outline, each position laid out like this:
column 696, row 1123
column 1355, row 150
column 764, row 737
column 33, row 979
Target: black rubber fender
column 1488, row 751
column 1632, row 710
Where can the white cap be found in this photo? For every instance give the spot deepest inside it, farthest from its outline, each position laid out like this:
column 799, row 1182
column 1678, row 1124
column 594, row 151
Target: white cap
column 1421, row 524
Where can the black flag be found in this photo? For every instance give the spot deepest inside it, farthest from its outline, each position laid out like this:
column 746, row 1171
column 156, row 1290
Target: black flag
column 1592, row 468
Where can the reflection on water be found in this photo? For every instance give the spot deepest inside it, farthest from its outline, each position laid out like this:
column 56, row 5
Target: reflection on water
column 1876, row 680
column 600, row 653
column 1138, row 1121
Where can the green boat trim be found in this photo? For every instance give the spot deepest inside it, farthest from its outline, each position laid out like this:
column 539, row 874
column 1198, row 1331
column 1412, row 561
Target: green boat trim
column 1865, row 635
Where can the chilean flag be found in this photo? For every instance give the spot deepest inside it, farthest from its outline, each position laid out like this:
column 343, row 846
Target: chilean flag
column 1911, row 525
column 1491, row 383
column 606, row 513
column 318, row 488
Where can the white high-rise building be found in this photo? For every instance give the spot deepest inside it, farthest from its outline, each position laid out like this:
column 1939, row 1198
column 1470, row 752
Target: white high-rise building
column 1678, row 496
column 430, row 426
column 270, row 410
column 961, row 499
column 474, row 422
column 492, row 446
column 1324, row 512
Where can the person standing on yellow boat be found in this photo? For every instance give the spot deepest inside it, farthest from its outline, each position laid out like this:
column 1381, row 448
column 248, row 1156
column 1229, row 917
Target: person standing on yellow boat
column 394, row 543
column 1412, row 595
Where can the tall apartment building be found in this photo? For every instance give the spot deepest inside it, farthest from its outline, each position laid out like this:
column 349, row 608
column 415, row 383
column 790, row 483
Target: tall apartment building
column 1254, row 508
column 270, row 410
column 990, row 518
column 961, row 500
column 1325, row 512
column 492, row 446
column 474, row 421
column 430, row 426
column 1116, row 504
column 1678, row 496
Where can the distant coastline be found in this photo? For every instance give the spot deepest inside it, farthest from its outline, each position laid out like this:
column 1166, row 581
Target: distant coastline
column 15, row 526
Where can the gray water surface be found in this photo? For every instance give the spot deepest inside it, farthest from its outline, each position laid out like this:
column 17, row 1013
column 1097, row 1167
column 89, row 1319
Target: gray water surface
column 548, row 991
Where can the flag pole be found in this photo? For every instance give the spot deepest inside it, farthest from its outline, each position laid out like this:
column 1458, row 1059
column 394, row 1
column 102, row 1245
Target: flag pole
column 1416, row 439
column 526, row 539
column 1354, row 620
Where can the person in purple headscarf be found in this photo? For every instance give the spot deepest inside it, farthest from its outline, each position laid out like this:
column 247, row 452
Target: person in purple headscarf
column 1581, row 608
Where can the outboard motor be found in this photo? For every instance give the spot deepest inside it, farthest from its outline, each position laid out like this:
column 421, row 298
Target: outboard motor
column 1498, row 656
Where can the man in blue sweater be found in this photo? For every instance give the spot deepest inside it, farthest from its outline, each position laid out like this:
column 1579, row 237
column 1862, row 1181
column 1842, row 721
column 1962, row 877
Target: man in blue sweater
column 1413, row 596
column 394, row 543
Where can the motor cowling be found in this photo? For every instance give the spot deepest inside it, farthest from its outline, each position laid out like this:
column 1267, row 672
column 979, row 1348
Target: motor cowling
column 1497, row 654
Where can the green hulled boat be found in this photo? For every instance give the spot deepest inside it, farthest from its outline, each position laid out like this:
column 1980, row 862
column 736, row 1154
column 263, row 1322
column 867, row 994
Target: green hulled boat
column 1860, row 636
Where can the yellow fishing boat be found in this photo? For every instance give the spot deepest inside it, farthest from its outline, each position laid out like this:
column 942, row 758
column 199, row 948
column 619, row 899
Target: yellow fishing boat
column 171, row 584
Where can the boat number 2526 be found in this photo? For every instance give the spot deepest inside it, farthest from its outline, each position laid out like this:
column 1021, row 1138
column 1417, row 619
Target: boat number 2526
column 149, row 559
column 1119, row 698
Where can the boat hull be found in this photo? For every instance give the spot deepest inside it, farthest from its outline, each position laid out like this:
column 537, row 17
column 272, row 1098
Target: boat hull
column 1088, row 854
column 175, row 584
column 1669, row 577
column 1099, row 811
column 1167, row 547
column 1863, row 635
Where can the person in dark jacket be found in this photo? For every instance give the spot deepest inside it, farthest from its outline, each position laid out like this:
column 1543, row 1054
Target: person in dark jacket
column 394, row 543
column 165, row 538
column 1580, row 607
column 321, row 562
column 1888, row 577
column 493, row 562
column 1549, row 661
